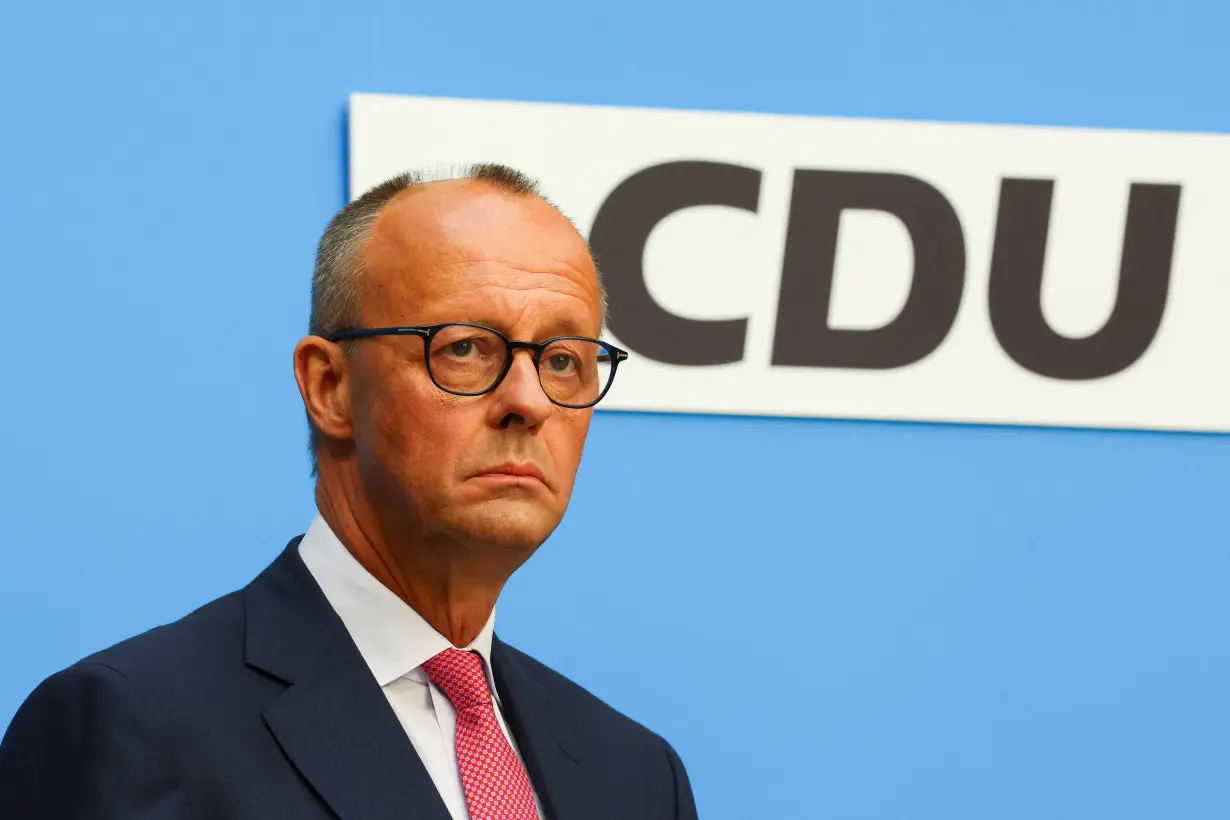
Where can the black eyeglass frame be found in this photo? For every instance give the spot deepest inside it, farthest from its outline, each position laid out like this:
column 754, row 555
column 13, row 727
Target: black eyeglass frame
column 429, row 332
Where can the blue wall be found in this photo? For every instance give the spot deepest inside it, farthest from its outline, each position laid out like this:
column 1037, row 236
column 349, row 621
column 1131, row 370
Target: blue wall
column 828, row 619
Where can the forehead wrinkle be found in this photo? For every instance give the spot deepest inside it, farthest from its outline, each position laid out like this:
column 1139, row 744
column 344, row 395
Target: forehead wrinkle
column 492, row 304
column 499, row 291
column 580, row 283
column 548, row 263
column 484, row 266
column 496, row 297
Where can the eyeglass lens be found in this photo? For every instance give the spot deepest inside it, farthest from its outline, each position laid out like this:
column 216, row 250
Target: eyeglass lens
column 469, row 360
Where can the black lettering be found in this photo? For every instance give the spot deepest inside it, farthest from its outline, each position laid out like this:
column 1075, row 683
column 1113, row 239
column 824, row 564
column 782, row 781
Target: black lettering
column 620, row 232
column 803, row 337
column 1017, row 263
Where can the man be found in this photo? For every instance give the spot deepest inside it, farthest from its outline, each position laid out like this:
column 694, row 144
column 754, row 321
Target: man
column 449, row 380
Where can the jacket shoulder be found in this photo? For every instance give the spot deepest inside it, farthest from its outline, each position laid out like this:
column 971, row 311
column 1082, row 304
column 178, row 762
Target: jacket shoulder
column 98, row 738
column 210, row 634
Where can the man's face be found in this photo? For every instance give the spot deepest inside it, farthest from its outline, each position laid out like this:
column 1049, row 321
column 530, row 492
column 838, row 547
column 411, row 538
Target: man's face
column 464, row 251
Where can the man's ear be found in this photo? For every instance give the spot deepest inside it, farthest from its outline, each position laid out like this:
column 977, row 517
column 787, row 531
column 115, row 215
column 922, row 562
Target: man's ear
column 323, row 374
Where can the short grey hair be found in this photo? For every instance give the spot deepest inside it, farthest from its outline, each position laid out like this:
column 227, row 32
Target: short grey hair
column 339, row 269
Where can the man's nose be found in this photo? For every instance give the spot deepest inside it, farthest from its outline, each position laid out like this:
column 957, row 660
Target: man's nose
column 520, row 394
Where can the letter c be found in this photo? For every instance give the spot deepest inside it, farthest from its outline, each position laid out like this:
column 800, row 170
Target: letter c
column 620, row 232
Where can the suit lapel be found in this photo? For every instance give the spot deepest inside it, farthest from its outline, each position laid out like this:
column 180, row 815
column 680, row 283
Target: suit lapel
column 333, row 722
column 552, row 751
column 337, row 727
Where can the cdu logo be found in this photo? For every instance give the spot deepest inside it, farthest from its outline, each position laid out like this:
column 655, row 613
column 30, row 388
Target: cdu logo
column 803, row 336
column 1019, row 275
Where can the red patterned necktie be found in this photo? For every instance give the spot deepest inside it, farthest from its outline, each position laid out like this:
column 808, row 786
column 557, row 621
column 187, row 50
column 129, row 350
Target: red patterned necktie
column 495, row 783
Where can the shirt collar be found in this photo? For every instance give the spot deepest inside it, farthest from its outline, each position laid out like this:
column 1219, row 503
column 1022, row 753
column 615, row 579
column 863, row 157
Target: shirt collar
column 393, row 639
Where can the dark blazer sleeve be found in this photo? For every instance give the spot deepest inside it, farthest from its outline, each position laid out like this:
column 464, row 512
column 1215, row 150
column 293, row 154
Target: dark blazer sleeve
column 85, row 745
column 685, row 804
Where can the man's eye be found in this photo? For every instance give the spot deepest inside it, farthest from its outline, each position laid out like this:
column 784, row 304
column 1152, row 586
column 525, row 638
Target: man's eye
column 560, row 362
column 461, row 348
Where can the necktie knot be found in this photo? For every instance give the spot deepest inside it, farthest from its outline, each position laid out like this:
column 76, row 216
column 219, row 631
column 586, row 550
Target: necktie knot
column 460, row 676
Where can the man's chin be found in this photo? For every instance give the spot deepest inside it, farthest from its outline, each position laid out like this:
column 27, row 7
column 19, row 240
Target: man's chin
column 510, row 522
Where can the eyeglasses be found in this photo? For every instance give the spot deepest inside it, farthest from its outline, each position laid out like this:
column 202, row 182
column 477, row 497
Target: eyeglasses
column 470, row 360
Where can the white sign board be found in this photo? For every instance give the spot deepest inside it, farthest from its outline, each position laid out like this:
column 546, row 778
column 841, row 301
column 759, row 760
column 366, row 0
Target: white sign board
column 808, row 266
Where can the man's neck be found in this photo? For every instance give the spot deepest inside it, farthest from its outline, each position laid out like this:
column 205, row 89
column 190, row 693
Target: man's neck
column 434, row 580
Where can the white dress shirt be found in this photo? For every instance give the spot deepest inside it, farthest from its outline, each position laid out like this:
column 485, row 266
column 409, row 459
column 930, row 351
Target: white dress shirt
column 394, row 641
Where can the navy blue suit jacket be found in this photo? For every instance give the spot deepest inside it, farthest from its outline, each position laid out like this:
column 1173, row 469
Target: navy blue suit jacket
column 259, row 705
